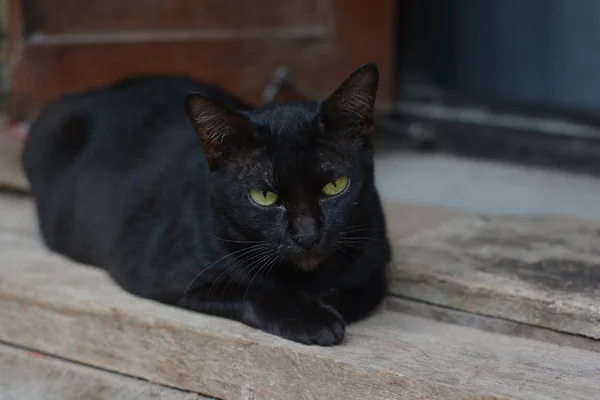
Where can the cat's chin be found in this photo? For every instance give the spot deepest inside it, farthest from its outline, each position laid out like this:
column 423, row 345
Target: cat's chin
column 308, row 262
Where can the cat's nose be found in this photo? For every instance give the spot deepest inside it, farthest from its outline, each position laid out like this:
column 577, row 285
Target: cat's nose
column 305, row 230
column 307, row 241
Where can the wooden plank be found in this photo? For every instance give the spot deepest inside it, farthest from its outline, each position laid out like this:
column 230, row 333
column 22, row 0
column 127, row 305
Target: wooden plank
column 407, row 219
column 443, row 266
column 490, row 324
column 18, row 215
column 544, row 271
column 11, row 143
column 76, row 312
column 26, row 375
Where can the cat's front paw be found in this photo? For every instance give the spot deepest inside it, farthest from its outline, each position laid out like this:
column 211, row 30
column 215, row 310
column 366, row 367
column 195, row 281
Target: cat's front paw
column 323, row 327
column 304, row 321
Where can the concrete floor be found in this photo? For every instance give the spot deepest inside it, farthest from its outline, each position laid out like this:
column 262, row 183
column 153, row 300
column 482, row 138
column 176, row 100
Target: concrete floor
column 482, row 186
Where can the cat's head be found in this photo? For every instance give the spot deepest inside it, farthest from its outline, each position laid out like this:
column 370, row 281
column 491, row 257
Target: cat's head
column 293, row 175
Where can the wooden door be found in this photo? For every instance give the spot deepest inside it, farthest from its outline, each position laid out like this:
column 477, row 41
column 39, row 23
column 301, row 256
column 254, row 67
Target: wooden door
column 60, row 46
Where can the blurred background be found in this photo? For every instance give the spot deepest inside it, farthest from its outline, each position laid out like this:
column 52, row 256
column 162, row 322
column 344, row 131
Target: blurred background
column 484, row 106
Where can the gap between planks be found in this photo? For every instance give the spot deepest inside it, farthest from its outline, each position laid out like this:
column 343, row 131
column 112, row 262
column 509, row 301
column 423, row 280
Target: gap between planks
column 489, row 324
column 35, row 376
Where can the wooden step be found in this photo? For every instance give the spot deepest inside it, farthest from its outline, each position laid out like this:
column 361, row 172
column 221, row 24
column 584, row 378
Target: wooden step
column 75, row 312
column 543, row 271
column 11, row 144
column 27, row 375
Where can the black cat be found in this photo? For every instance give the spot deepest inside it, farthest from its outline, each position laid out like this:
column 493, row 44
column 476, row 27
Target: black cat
column 278, row 225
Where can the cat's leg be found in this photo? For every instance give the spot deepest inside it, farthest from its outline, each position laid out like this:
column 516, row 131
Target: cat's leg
column 365, row 285
column 283, row 312
column 357, row 302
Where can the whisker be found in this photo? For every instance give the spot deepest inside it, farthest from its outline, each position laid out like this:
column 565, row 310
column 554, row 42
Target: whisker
column 245, row 258
column 252, row 265
column 366, row 231
column 352, row 256
column 272, row 258
column 368, row 225
column 276, row 264
column 339, row 246
column 239, row 241
column 363, row 239
column 355, row 248
column 214, row 263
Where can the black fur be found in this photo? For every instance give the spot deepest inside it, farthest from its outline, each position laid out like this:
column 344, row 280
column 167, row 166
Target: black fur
column 120, row 182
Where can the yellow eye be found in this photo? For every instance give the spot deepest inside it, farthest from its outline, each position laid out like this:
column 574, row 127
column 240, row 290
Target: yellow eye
column 263, row 197
column 335, row 187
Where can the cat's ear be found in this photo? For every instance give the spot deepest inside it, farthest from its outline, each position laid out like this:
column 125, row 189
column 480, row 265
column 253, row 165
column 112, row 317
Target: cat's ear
column 217, row 126
column 352, row 104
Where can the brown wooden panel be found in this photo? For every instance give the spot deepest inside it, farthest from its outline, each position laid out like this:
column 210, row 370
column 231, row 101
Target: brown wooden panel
column 46, row 71
column 76, row 16
column 354, row 32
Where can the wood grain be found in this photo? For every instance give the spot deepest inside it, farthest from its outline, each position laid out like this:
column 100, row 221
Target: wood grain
column 544, row 271
column 55, row 306
column 11, row 145
column 17, row 215
column 433, row 263
column 27, row 375
column 490, row 324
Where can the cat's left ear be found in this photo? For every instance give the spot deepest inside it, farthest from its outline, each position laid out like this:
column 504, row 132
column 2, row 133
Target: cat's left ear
column 217, row 127
column 352, row 104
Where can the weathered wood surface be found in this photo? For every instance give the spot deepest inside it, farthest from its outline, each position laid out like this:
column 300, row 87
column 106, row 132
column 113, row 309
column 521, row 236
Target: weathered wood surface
column 11, row 175
column 27, row 375
column 543, row 271
column 17, row 215
column 490, row 324
column 54, row 306
column 544, row 297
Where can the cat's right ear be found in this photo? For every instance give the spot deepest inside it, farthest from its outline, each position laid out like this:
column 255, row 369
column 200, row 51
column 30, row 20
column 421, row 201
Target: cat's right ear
column 352, row 105
column 216, row 126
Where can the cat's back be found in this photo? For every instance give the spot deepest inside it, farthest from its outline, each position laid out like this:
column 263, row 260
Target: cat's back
column 122, row 119
column 93, row 157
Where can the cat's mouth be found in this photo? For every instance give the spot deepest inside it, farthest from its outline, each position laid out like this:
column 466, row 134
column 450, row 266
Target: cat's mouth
column 308, row 261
